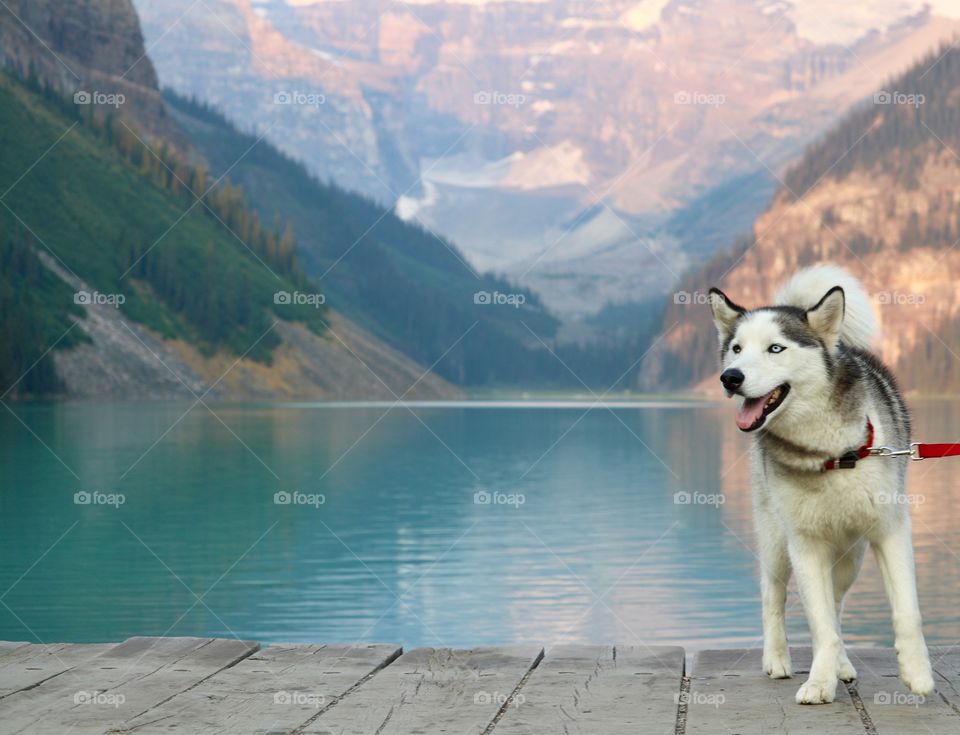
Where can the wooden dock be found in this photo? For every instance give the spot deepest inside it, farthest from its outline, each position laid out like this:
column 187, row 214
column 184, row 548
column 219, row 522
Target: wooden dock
column 210, row 685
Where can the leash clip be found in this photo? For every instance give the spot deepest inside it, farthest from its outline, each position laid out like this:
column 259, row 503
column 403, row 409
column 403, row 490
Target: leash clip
column 884, row 451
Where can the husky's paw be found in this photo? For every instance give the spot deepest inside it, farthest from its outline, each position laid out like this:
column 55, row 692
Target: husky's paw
column 916, row 674
column 918, row 678
column 845, row 671
column 777, row 665
column 817, row 692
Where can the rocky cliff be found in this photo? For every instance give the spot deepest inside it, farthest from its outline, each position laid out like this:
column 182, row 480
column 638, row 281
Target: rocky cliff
column 93, row 48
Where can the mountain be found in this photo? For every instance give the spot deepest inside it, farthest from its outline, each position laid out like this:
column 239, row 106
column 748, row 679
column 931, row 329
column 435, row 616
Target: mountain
column 406, row 286
column 879, row 195
column 125, row 269
column 579, row 149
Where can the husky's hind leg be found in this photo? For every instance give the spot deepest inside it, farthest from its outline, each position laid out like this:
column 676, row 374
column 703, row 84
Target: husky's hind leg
column 774, row 575
column 895, row 558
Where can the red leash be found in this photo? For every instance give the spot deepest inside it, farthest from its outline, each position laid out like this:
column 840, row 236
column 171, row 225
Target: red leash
column 917, row 451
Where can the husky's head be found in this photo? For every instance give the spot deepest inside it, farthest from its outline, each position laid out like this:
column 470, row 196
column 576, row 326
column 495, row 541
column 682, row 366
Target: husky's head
column 775, row 356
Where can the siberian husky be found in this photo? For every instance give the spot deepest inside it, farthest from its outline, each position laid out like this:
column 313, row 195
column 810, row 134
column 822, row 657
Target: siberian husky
column 810, row 392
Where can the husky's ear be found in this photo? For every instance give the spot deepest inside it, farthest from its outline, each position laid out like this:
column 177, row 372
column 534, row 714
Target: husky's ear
column 725, row 313
column 826, row 318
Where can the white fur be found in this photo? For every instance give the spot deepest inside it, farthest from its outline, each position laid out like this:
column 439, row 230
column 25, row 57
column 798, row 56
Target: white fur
column 808, row 286
column 817, row 524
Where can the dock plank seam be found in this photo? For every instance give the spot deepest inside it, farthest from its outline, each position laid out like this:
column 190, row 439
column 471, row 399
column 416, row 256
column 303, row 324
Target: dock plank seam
column 250, row 651
column 947, row 702
column 512, row 698
column 35, row 684
column 353, row 687
column 861, row 708
column 680, row 726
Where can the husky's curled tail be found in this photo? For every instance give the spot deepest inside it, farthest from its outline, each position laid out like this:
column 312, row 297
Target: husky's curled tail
column 810, row 285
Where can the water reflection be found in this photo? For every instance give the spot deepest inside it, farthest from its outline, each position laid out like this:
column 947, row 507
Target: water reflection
column 610, row 541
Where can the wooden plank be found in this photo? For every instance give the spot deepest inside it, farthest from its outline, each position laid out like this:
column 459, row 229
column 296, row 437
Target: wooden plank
column 730, row 693
column 598, row 690
column 27, row 665
column 120, row 683
column 275, row 690
column 430, row 690
column 891, row 707
column 7, row 647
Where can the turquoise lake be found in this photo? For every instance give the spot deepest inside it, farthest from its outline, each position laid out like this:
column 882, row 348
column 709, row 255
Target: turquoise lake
column 420, row 524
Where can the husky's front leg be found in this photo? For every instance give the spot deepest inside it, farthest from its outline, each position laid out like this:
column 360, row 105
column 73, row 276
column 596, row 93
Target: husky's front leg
column 894, row 554
column 812, row 564
column 774, row 575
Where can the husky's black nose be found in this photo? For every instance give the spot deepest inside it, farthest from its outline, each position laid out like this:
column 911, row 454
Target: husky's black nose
column 731, row 379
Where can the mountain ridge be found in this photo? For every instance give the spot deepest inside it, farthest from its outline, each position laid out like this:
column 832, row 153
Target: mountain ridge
column 503, row 126
column 879, row 195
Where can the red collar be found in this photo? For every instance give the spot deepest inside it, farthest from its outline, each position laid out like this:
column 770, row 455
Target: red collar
column 849, row 460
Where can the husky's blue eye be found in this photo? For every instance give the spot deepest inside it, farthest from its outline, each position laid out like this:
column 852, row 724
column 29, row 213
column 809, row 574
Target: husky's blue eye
column 776, row 348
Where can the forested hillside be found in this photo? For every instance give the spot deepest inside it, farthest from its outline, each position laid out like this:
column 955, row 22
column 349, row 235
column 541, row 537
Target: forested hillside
column 406, row 285
column 181, row 254
column 880, row 194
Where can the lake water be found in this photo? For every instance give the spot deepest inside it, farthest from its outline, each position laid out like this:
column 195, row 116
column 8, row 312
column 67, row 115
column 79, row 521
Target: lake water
column 452, row 525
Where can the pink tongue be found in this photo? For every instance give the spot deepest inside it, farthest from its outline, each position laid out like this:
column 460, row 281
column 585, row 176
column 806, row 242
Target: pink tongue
column 751, row 411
